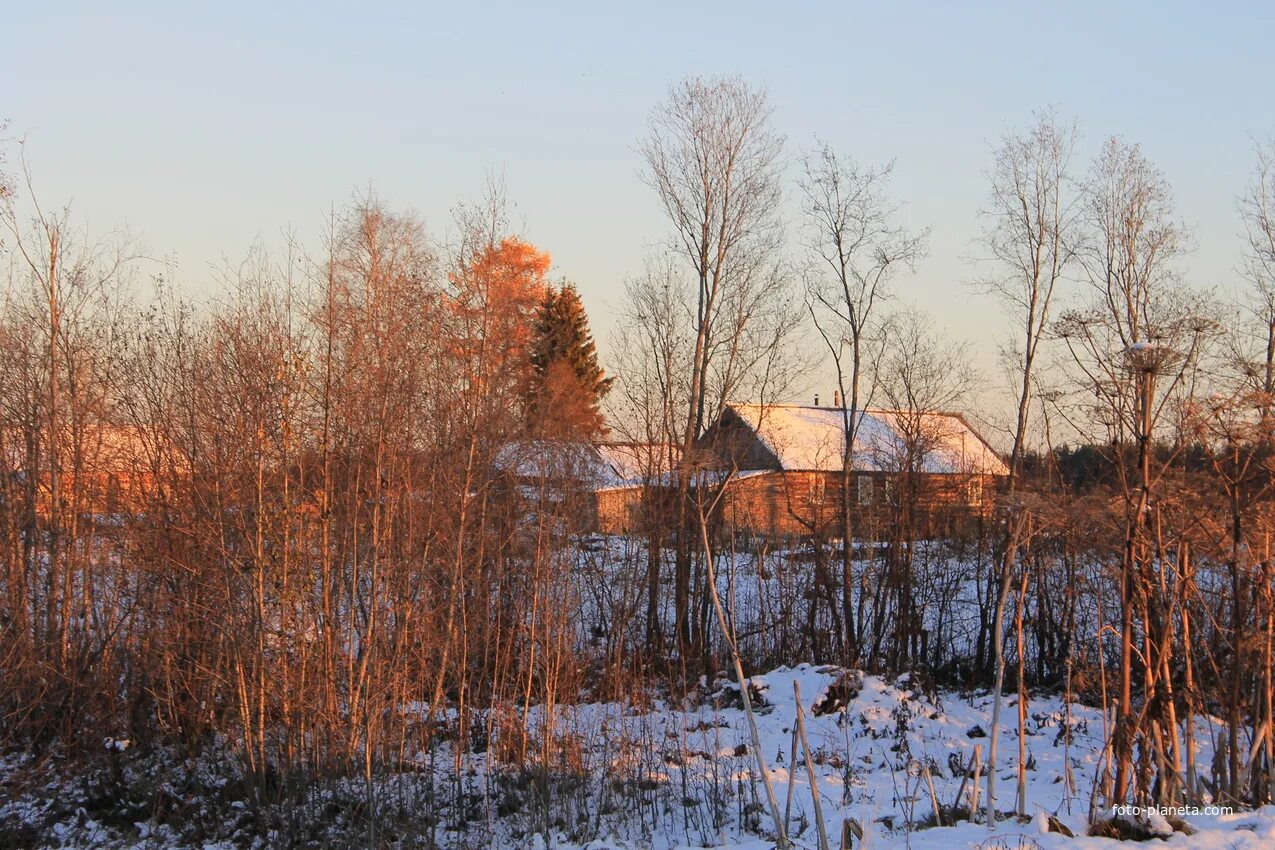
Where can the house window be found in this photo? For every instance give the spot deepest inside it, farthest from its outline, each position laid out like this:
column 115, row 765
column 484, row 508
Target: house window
column 817, row 490
column 974, row 491
column 863, row 490
column 889, row 491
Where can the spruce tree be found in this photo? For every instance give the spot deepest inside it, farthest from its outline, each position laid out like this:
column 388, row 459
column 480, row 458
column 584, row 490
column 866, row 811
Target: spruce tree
column 567, row 384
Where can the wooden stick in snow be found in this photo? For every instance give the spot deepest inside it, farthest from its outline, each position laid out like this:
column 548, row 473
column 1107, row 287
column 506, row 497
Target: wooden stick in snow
column 792, row 764
column 934, row 799
column 810, row 769
column 978, row 766
column 728, row 636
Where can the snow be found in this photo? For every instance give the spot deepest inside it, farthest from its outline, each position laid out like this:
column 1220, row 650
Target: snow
column 633, row 462
column 804, row 437
column 868, row 765
column 668, row 774
column 874, row 748
column 600, row 466
column 552, row 459
column 689, row 776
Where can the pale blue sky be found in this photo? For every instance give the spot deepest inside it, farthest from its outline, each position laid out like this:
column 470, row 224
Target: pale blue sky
column 202, row 126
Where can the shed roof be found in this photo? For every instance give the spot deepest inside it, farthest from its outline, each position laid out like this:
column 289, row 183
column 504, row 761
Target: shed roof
column 596, row 466
column 556, row 459
column 633, row 462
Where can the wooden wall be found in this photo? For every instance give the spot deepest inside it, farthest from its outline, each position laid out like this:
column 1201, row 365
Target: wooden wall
column 805, row 504
column 801, row 504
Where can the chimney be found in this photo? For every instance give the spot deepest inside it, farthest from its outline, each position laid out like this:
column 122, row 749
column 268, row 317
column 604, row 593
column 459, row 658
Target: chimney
column 836, row 398
column 816, row 399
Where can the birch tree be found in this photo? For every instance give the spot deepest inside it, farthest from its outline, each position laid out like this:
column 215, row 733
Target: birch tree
column 1030, row 216
column 713, row 158
column 856, row 248
column 1257, row 212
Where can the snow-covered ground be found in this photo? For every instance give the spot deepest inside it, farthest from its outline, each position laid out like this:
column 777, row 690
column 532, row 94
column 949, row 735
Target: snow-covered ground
column 664, row 776
column 649, row 773
column 872, row 761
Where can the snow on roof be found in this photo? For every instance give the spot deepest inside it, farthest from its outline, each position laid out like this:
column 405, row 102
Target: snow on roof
column 636, row 461
column 601, row 466
column 535, row 459
column 699, row 478
column 804, row 437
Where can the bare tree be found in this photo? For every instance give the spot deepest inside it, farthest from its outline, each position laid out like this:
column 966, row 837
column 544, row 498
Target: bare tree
column 653, row 344
column 857, row 248
column 1030, row 216
column 713, row 158
column 1256, row 395
column 1134, row 349
column 1030, row 220
column 921, row 374
column 1257, row 212
column 60, row 318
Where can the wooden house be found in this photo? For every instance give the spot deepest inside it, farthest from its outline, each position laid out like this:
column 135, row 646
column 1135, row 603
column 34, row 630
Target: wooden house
column 611, row 487
column 554, row 475
column 628, row 499
column 785, row 464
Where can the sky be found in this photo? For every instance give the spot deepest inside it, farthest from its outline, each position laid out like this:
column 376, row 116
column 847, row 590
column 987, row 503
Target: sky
column 201, row 127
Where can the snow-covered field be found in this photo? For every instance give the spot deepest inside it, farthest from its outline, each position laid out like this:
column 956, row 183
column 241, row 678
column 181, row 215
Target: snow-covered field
column 664, row 776
column 873, row 760
column 649, row 773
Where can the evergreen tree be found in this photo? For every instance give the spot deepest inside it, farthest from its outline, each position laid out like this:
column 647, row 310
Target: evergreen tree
column 567, row 384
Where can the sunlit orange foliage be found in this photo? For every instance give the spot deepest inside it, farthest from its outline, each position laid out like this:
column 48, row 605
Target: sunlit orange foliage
column 512, row 270
column 496, row 293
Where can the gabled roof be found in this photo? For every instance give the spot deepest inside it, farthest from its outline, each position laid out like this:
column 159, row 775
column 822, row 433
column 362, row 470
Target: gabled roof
column 804, row 437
